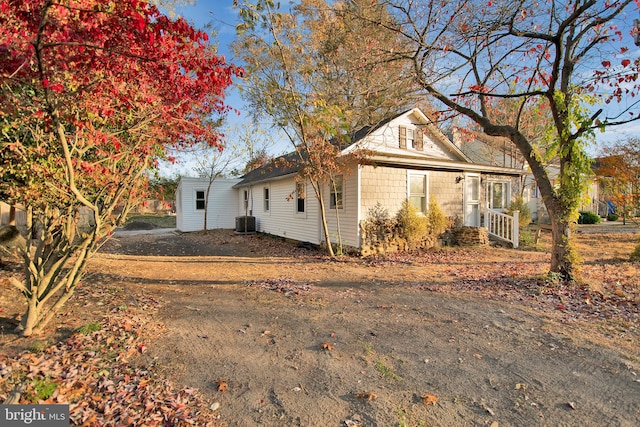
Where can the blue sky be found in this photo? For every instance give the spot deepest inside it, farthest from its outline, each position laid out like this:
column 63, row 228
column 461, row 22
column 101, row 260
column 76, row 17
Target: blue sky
column 220, row 17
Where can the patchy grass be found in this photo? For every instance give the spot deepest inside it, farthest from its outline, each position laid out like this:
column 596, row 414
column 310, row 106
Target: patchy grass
column 160, row 221
column 38, row 347
column 90, row 328
column 387, row 372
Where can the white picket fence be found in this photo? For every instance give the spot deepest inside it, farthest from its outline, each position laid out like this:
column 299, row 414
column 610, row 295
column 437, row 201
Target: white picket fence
column 503, row 226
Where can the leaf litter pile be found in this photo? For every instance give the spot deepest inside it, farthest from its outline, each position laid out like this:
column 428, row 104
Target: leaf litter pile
column 92, row 373
column 285, row 286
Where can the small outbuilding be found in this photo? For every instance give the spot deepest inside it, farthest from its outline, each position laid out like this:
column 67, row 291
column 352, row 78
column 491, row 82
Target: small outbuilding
column 191, row 202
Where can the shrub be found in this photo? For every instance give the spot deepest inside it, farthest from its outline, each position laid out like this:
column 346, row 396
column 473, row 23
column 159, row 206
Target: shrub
column 437, row 222
column 613, row 217
column 378, row 224
column 588, row 218
column 526, row 238
column 525, row 212
column 412, row 226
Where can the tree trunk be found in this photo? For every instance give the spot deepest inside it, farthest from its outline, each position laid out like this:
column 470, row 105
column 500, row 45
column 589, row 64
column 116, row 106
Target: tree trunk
column 206, row 208
column 30, row 319
column 563, row 254
column 323, row 217
column 12, row 215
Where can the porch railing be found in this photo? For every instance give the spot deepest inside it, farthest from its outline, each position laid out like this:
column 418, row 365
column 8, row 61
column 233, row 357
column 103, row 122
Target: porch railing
column 504, row 227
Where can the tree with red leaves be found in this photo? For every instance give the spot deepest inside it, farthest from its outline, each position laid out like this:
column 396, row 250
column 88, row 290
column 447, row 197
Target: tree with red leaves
column 93, row 93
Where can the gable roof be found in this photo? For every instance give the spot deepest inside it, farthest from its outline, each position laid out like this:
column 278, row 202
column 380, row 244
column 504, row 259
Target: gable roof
column 290, row 163
column 431, row 130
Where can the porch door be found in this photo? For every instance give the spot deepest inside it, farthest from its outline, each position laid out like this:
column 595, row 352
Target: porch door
column 472, row 200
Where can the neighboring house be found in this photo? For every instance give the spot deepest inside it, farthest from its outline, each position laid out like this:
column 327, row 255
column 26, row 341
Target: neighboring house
column 499, row 151
column 411, row 159
column 601, row 170
column 190, row 204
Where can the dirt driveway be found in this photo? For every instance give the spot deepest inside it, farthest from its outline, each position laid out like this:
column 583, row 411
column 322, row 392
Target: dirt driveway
column 281, row 336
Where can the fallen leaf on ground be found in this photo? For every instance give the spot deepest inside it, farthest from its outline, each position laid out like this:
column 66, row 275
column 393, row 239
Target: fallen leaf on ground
column 429, row 399
column 367, row 395
column 327, row 346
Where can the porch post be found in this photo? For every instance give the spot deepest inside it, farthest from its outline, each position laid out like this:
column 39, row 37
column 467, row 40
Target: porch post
column 516, row 228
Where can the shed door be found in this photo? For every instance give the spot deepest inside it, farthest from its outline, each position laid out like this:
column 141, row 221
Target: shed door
column 472, row 200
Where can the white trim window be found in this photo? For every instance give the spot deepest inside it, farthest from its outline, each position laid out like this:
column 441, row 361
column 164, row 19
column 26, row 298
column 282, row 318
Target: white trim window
column 411, row 138
column 200, row 200
column 336, row 188
column 417, row 191
column 246, row 200
column 267, row 198
column 301, row 198
column 498, row 195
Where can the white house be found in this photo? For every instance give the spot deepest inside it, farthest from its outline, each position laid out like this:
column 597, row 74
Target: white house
column 411, row 159
column 190, row 204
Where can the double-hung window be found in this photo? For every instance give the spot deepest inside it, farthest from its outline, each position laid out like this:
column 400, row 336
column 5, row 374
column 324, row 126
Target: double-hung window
column 200, row 202
column 336, row 186
column 267, row 199
column 418, row 191
column 410, row 137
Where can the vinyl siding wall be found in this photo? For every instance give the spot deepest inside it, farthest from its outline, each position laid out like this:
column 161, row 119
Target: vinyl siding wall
column 387, row 139
column 282, row 218
column 222, row 206
column 348, row 215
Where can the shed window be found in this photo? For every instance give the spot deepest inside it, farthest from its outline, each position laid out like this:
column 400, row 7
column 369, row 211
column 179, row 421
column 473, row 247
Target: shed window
column 300, row 197
column 200, row 202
